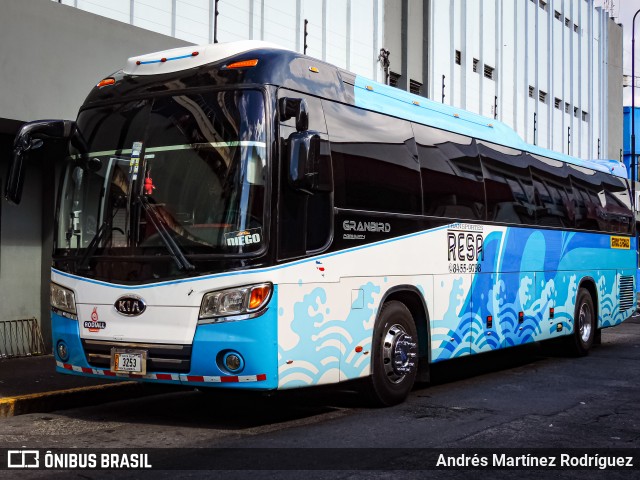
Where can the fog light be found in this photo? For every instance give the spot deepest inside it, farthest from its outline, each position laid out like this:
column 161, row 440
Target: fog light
column 233, row 362
column 63, row 351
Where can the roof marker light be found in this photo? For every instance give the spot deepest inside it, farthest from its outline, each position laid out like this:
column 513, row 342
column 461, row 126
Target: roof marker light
column 314, row 70
column 415, row 102
column 105, row 82
column 195, row 54
column 138, row 62
column 370, row 88
column 163, row 59
column 456, row 115
column 243, row 63
column 490, row 125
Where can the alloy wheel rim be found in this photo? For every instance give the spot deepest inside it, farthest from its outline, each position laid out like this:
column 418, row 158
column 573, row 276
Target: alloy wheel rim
column 584, row 322
column 399, row 353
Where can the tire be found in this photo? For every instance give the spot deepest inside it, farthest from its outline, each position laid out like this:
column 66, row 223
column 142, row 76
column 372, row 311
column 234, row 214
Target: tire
column 394, row 361
column 584, row 325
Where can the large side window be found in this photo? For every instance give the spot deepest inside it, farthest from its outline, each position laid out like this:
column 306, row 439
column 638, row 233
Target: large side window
column 553, row 193
column 604, row 203
column 374, row 161
column 510, row 197
column 451, row 174
column 618, row 206
column 590, row 199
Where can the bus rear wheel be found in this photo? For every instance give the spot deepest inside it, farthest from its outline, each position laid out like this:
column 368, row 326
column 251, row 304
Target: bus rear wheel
column 394, row 361
column 584, row 324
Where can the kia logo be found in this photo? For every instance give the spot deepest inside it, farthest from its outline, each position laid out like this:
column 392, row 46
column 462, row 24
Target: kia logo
column 130, row 306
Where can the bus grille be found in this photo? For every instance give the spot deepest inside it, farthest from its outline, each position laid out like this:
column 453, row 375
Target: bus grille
column 627, row 294
column 160, row 357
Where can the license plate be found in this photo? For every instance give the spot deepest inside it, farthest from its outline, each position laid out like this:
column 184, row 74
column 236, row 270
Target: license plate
column 129, row 361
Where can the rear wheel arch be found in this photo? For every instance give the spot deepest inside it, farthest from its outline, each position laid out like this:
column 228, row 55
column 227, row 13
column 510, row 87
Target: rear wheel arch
column 589, row 284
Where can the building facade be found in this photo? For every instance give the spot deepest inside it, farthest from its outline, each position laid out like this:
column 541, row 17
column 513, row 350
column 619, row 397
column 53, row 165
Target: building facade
column 347, row 33
column 552, row 70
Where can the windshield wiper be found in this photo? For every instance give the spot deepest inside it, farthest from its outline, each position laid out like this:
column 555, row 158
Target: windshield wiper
column 93, row 245
column 170, row 243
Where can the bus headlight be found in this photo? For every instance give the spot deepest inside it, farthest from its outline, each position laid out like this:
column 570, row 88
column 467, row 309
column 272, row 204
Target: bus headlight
column 235, row 301
column 62, row 299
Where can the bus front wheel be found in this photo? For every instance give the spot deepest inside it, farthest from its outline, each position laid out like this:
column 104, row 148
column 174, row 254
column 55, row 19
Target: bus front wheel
column 584, row 324
column 394, row 361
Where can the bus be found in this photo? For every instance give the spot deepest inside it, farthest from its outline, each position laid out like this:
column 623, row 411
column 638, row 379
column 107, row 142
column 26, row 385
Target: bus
column 244, row 216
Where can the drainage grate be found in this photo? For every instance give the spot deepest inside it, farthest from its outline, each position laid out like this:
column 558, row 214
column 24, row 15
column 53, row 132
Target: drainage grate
column 20, row 338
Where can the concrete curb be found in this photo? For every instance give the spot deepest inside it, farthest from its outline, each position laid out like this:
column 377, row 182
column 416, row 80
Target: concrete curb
column 76, row 397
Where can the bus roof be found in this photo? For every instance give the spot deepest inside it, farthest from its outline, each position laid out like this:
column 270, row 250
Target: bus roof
column 367, row 94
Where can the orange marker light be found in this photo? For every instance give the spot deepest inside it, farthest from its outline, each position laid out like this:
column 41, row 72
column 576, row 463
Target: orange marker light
column 314, row 70
column 258, row 296
column 244, row 63
column 106, row 81
column 370, row 88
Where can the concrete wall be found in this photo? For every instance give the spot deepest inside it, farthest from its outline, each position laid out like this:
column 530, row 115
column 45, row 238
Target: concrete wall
column 51, row 56
column 614, row 91
column 568, row 51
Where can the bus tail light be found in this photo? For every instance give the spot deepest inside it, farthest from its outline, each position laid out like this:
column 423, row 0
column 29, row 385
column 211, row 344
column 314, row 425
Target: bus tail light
column 235, row 301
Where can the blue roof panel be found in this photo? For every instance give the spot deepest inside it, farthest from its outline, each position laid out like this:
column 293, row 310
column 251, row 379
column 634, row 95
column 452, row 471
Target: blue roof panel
column 399, row 103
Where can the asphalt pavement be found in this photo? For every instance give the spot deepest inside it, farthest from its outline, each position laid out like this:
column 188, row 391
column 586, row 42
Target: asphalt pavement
column 31, row 384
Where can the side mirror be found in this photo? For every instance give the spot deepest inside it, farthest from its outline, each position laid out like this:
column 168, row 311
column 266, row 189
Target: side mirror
column 309, row 166
column 32, row 136
column 295, row 107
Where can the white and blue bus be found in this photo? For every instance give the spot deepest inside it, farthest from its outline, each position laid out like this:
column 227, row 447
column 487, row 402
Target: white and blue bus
column 243, row 216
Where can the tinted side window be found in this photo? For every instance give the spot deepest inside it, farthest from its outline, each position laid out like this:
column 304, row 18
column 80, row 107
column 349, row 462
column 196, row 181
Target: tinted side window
column 374, row 163
column 619, row 206
column 590, row 206
column 451, row 174
column 510, row 197
column 553, row 193
column 602, row 201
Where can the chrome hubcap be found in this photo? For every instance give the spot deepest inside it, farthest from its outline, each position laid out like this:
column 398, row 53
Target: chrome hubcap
column 584, row 322
column 399, row 353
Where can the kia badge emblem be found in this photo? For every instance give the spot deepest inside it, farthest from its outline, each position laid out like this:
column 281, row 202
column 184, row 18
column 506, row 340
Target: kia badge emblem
column 130, row 306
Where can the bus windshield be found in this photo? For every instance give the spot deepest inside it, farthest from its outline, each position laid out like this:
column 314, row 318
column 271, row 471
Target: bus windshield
column 178, row 175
